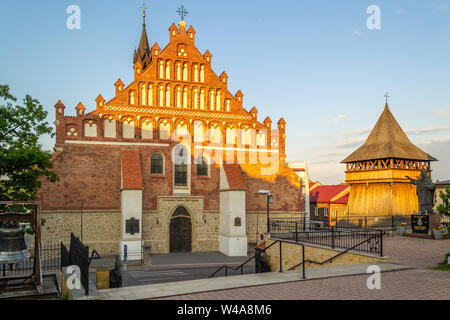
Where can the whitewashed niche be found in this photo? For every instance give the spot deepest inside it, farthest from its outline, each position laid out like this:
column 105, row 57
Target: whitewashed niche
column 109, row 128
column 90, row 129
column 198, row 131
column 128, row 129
column 147, row 130
column 164, row 130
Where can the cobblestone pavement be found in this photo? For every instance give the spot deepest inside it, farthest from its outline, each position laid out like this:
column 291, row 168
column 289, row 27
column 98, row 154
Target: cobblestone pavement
column 418, row 283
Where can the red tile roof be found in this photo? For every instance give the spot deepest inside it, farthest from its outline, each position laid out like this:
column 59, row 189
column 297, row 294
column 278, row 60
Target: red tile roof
column 324, row 194
column 341, row 200
column 131, row 170
column 234, row 176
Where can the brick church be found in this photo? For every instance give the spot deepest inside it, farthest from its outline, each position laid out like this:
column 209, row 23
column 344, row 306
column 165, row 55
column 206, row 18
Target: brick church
column 173, row 161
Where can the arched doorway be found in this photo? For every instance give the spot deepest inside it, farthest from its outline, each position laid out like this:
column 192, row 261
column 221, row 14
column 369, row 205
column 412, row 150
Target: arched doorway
column 180, row 231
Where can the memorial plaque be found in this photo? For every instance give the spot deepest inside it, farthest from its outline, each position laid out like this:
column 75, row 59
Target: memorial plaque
column 420, row 223
column 132, row 226
column 237, row 222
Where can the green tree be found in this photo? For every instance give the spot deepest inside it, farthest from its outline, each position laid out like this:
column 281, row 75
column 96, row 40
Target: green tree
column 22, row 160
column 444, row 208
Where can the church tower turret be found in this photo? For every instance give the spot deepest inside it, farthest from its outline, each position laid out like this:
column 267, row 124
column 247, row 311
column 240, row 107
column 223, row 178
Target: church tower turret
column 143, row 54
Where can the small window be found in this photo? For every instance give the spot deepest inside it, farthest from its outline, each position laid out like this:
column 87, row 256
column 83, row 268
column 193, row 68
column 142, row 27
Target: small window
column 181, row 168
column 157, row 164
column 202, row 167
column 325, row 212
column 316, row 211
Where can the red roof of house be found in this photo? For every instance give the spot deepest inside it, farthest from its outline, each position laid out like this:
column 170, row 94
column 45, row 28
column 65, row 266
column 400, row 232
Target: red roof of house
column 443, row 183
column 131, row 170
column 324, row 194
column 341, row 200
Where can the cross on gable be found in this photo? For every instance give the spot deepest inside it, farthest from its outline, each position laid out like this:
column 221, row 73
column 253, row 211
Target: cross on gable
column 387, row 96
column 182, row 12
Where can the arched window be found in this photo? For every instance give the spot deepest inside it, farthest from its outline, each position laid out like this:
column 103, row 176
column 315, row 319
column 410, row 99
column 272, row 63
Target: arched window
column 231, row 136
column 218, row 101
column 109, row 128
column 168, row 70
column 143, row 95
column 195, row 100
column 211, row 100
column 161, row 69
column 202, row 73
column 215, row 134
column 132, row 99
column 202, row 99
column 161, row 96
column 202, row 166
column 185, row 72
column 196, row 73
column 150, row 95
column 128, row 129
column 198, row 131
column 228, row 105
column 147, row 130
column 167, row 96
column 178, row 71
column 164, row 130
column 178, row 97
column 157, row 163
column 185, row 97
column 181, row 167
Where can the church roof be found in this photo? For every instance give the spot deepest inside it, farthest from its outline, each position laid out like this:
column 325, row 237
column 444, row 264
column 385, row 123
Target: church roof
column 388, row 140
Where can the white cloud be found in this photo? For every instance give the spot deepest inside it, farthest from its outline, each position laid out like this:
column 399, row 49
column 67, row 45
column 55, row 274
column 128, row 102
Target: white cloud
column 357, row 33
column 434, row 142
column 400, row 11
column 441, row 7
column 351, row 143
column 445, row 112
column 353, row 132
column 330, row 172
column 338, row 119
column 428, row 129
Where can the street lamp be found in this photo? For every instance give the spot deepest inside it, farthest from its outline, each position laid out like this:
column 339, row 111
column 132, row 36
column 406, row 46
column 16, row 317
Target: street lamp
column 269, row 200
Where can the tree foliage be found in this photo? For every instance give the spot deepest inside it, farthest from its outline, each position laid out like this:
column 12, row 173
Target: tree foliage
column 444, row 208
column 22, row 160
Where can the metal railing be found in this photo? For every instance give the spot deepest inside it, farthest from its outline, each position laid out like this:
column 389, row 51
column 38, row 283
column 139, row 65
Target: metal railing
column 369, row 240
column 50, row 262
column 241, row 266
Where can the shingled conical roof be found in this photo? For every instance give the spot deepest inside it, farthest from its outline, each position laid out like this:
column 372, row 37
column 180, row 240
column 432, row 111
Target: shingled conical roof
column 388, row 140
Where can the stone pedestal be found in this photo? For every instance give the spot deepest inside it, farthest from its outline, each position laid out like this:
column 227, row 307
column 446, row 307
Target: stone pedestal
column 435, row 220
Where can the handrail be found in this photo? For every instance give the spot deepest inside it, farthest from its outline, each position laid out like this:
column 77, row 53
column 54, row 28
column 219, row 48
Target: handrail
column 241, row 265
column 334, row 257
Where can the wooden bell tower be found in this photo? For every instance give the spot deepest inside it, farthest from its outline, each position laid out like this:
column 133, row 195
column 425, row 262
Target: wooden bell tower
column 376, row 172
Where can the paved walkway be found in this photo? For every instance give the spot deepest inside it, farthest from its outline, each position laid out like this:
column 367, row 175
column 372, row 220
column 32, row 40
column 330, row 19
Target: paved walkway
column 248, row 281
column 418, row 283
column 174, row 260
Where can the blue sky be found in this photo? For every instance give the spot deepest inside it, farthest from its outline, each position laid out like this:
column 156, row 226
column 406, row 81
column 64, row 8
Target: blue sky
column 315, row 63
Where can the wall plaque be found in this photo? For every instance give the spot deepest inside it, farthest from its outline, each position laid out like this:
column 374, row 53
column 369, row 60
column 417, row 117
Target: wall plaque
column 132, row 226
column 420, row 223
column 237, row 222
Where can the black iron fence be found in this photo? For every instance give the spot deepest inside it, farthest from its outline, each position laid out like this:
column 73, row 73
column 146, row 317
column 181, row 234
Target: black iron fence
column 358, row 239
column 77, row 255
column 50, row 262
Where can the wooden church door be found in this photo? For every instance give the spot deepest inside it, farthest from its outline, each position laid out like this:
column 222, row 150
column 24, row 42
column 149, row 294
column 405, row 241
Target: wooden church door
column 180, row 231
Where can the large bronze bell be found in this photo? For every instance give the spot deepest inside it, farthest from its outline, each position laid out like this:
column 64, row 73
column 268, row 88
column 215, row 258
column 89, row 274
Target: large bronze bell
column 12, row 246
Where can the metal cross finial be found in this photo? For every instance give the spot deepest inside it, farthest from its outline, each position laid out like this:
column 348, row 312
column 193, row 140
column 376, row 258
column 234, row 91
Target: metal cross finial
column 143, row 11
column 387, row 96
column 182, row 12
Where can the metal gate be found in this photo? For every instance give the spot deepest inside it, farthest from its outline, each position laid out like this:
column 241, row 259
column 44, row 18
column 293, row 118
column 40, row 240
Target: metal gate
column 180, row 234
